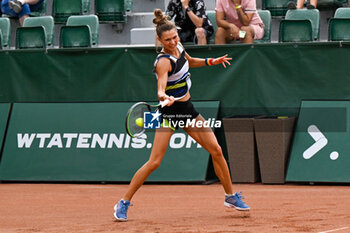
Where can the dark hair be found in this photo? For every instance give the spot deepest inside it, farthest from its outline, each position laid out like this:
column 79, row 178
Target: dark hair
column 162, row 22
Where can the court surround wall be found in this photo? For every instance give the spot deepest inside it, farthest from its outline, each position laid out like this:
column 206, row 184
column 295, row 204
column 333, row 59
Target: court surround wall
column 263, row 78
column 269, row 79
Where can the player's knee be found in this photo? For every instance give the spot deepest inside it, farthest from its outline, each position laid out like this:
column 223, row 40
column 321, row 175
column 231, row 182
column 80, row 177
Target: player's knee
column 153, row 165
column 216, row 152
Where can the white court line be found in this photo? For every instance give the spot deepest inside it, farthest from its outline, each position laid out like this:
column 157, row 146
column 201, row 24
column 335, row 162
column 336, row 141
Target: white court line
column 339, row 229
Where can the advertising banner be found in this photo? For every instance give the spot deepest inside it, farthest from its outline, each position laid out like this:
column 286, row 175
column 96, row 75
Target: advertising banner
column 321, row 148
column 88, row 142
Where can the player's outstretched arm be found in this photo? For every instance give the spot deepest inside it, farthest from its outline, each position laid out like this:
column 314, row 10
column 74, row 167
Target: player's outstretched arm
column 198, row 62
column 162, row 69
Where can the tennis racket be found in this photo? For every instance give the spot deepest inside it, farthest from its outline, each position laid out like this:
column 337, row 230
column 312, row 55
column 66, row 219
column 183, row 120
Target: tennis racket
column 135, row 114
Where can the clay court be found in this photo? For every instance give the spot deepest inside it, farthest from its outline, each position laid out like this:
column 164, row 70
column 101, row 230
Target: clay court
column 173, row 208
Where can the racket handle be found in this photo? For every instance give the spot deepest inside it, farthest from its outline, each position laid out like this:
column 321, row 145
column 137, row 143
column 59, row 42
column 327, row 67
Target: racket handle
column 164, row 103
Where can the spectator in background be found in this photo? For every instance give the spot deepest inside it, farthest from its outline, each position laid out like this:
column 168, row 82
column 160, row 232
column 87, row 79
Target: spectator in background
column 300, row 4
column 20, row 8
column 238, row 20
column 191, row 18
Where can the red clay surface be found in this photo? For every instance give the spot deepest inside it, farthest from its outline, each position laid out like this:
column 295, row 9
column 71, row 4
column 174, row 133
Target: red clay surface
column 173, row 208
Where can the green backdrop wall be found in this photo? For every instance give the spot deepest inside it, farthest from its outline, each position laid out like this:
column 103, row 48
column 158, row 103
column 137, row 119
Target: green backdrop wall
column 263, row 78
column 269, row 79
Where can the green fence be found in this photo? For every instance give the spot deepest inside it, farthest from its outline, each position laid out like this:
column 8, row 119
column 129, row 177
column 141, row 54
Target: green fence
column 269, row 79
column 264, row 78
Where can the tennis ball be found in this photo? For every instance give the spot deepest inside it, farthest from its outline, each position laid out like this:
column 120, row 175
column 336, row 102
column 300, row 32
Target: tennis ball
column 139, row 121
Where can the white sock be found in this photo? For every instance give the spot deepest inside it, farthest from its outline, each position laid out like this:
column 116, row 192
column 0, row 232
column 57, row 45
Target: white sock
column 22, row 1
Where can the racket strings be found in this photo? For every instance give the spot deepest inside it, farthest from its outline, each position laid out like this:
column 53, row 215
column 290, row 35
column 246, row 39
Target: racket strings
column 136, row 113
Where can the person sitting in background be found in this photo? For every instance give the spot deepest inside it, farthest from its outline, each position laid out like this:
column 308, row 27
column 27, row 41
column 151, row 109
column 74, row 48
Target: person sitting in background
column 238, row 20
column 20, row 8
column 300, row 4
column 191, row 18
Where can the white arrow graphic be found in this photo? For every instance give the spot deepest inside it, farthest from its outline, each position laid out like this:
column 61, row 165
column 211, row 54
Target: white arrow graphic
column 320, row 142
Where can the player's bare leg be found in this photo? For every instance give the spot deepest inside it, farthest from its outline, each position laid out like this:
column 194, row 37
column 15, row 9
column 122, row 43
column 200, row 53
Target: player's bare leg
column 206, row 137
column 160, row 144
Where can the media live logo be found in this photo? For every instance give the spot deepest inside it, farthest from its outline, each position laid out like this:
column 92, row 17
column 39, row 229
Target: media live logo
column 151, row 120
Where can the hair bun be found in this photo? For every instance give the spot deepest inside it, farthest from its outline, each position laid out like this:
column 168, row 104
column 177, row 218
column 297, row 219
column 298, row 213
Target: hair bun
column 162, row 22
column 160, row 18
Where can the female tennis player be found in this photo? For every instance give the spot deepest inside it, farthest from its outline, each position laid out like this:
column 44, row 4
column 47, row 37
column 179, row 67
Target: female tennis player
column 171, row 69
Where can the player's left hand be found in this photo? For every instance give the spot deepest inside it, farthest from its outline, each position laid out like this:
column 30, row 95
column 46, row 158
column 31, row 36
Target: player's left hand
column 171, row 100
column 222, row 60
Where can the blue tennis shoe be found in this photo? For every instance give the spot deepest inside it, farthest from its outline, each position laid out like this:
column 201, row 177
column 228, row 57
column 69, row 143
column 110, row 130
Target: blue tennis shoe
column 235, row 201
column 121, row 210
